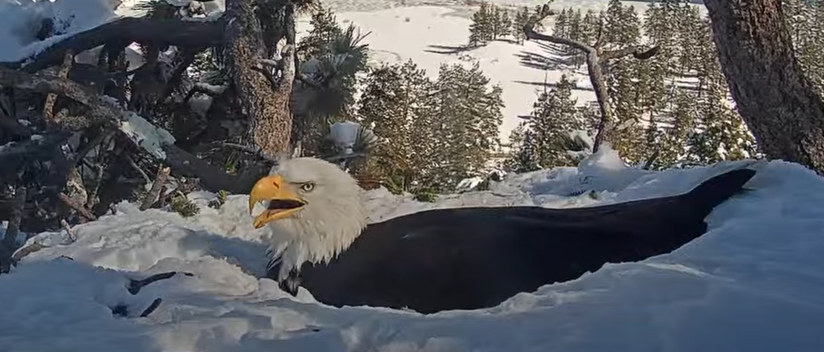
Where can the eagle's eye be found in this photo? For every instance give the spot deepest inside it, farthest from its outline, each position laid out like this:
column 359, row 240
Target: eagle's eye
column 307, row 187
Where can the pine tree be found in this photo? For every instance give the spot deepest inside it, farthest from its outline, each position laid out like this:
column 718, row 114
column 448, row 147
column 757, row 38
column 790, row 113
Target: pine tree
column 590, row 25
column 395, row 105
column 554, row 117
column 485, row 25
column 722, row 134
column 324, row 30
column 623, row 89
column 806, row 21
column 522, row 157
column 675, row 141
column 521, row 19
column 561, row 28
column 330, row 58
column 470, row 115
column 622, row 29
column 613, row 22
column 575, row 33
column 504, row 23
column 495, row 21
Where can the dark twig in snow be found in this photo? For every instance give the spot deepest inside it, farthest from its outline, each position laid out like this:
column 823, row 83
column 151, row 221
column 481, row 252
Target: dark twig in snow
column 151, row 308
column 136, row 285
column 51, row 98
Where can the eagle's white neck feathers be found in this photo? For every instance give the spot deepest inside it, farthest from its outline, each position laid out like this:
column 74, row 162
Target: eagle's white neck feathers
column 331, row 220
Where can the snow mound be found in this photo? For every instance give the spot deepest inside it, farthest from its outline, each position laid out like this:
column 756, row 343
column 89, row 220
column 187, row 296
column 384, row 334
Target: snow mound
column 752, row 283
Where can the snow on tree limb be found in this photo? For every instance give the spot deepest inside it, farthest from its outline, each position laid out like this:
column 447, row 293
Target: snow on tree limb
column 128, row 30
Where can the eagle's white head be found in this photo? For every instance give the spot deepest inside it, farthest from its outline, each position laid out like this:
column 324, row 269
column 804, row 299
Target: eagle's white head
column 312, row 208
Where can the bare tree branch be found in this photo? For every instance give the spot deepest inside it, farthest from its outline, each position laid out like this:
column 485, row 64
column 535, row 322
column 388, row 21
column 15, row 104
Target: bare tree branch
column 138, row 169
column 594, row 59
column 157, row 186
column 102, row 110
column 77, row 207
column 638, row 52
column 127, row 30
column 51, row 98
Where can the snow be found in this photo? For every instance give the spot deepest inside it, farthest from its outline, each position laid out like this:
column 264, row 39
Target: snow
column 468, row 184
column 344, row 134
column 146, row 135
column 752, row 283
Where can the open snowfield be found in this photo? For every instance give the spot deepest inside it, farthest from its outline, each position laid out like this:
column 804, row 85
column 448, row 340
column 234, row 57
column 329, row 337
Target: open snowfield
column 752, row 283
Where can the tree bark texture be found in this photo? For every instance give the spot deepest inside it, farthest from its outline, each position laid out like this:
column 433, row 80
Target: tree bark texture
column 261, row 101
column 778, row 103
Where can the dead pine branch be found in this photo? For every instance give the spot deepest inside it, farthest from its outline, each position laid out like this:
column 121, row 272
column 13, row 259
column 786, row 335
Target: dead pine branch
column 128, row 29
column 51, row 98
column 85, row 213
column 138, row 169
column 595, row 60
column 69, row 231
column 110, row 114
column 157, row 187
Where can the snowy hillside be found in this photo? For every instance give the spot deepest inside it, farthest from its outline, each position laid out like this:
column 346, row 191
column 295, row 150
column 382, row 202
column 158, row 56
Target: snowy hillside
column 430, row 32
column 752, row 283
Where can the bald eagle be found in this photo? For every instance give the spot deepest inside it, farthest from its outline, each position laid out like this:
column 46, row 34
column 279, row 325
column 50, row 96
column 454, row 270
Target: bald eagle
column 461, row 258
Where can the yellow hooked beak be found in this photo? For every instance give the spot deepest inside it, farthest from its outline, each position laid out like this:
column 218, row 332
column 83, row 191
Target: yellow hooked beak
column 282, row 201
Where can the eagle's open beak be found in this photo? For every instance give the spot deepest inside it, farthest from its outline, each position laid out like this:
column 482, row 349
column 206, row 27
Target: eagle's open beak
column 281, row 201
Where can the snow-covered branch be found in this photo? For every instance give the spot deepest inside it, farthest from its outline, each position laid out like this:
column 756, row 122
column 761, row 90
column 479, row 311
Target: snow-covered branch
column 127, row 30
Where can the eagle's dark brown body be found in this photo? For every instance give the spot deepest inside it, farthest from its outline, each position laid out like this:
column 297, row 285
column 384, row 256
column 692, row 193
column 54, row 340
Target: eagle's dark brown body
column 469, row 258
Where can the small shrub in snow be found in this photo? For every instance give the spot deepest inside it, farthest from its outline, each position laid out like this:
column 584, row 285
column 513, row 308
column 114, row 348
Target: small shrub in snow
column 219, row 201
column 182, row 205
column 426, row 196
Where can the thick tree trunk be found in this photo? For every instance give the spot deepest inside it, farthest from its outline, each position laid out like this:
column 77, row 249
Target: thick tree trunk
column 261, row 100
column 777, row 102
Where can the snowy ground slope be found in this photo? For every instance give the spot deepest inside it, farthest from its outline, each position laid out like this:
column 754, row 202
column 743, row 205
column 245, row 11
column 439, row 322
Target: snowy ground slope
column 752, row 283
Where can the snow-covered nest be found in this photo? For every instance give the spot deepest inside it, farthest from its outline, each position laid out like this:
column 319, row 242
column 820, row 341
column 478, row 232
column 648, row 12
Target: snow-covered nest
column 754, row 282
